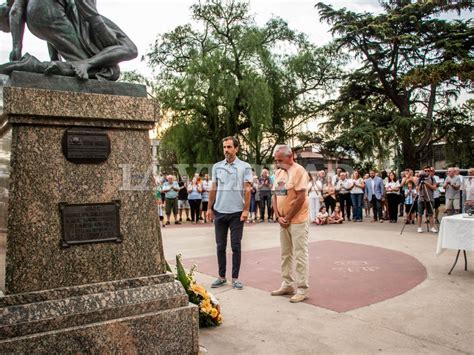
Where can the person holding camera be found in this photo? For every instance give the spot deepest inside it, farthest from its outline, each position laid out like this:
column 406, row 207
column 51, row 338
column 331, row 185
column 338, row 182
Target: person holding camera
column 452, row 186
column 425, row 187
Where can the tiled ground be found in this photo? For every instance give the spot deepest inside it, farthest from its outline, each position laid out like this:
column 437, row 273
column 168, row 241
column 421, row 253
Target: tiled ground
column 343, row 276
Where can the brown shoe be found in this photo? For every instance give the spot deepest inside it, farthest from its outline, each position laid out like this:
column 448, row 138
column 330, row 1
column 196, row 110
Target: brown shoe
column 297, row 298
column 288, row 290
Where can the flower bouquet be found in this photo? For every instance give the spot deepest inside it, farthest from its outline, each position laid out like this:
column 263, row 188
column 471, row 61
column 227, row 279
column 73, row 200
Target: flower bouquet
column 209, row 309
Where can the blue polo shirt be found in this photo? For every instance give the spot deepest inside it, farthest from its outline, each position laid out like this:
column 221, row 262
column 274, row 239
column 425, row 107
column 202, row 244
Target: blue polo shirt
column 231, row 179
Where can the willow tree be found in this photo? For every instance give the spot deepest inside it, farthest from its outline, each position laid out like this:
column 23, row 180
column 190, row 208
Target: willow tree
column 228, row 76
column 414, row 64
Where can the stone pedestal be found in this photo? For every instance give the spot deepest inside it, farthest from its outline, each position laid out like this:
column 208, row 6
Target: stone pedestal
column 68, row 287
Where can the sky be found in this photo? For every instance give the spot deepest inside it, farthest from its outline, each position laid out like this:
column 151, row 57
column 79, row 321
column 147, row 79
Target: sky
column 144, row 20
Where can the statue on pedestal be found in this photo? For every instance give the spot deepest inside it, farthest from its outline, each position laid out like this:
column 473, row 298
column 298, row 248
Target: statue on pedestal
column 81, row 42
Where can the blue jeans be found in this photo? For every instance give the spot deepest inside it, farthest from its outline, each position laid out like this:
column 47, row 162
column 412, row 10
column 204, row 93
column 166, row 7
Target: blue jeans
column 253, row 204
column 222, row 223
column 357, row 206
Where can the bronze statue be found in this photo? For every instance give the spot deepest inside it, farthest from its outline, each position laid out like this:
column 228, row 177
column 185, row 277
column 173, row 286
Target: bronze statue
column 90, row 44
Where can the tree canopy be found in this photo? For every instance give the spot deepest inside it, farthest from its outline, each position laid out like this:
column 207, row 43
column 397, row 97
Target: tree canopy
column 228, row 76
column 414, row 64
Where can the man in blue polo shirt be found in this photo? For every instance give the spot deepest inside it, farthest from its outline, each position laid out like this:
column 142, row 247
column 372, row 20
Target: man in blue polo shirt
column 229, row 202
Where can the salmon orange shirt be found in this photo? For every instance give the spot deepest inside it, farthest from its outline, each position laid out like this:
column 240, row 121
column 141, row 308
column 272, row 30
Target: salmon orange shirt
column 287, row 182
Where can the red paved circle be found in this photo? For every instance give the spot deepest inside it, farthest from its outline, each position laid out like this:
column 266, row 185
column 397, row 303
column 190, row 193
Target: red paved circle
column 343, row 276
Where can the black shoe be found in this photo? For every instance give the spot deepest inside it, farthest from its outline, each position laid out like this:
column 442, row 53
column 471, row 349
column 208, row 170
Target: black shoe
column 177, row 222
column 188, row 219
column 168, row 223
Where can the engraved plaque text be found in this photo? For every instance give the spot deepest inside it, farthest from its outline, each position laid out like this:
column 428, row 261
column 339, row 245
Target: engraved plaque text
column 90, row 223
column 86, row 146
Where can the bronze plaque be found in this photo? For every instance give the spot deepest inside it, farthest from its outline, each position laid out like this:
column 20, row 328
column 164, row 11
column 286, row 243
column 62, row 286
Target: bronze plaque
column 86, row 146
column 90, row 223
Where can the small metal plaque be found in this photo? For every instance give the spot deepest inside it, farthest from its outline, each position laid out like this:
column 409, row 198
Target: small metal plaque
column 86, row 146
column 90, row 223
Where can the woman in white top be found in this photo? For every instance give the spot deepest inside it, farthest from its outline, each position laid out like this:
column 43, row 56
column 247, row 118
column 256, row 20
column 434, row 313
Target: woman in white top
column 314, row 189
column 392, row 189
column 357, row 196
column 195, row 197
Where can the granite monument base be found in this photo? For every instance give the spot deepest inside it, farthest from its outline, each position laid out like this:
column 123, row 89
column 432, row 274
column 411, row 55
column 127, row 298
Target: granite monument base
column 142, row 315
column 85, row 268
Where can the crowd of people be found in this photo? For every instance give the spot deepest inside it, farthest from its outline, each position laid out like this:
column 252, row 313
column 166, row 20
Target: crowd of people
column 411, row 195
column 183, row 197
column 334, row 199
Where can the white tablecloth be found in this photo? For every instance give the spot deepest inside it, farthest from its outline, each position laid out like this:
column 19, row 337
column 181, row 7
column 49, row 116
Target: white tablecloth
column 456, row 232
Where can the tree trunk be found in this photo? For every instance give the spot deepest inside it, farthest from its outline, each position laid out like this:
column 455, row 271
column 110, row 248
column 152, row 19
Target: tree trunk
column 409, row 155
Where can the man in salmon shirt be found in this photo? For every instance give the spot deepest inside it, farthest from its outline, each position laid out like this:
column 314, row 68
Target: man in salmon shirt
column 290, row 201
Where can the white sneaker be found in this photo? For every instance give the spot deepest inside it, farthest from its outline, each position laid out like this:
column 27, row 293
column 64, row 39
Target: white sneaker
column 434, row 230
column 420, row 230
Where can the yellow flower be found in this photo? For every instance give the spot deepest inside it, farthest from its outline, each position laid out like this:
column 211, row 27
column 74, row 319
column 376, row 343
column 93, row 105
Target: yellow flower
column 199, row 290
column 214, row 313
column 206, row 306
column 219, row 319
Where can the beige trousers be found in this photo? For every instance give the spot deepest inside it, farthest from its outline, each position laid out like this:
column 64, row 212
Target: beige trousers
column 294, row 247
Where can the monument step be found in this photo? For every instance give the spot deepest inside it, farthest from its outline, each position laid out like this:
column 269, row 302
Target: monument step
column 87, row 289
column 159, row 332
column 79, row 308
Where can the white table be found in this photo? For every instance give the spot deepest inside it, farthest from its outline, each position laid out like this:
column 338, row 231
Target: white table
column 456, row 232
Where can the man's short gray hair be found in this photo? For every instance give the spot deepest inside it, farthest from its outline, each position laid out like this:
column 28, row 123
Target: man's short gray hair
column 285, row 149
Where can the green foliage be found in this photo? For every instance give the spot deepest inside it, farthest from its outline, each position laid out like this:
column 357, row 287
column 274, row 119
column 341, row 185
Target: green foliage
column 459, row 131
column 167, row 157
column 181, row 275
column 229, row 76
column 414, row 65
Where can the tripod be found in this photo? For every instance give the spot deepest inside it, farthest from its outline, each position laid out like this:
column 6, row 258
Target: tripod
column 415, row 202
column 435, row 222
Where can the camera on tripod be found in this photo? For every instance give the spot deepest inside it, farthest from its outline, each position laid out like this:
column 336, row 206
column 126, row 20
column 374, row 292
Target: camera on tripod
column 422, row 177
